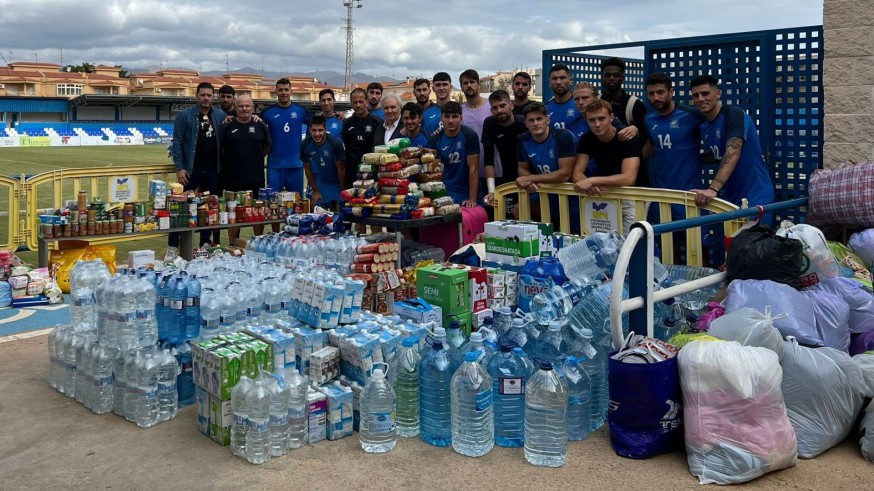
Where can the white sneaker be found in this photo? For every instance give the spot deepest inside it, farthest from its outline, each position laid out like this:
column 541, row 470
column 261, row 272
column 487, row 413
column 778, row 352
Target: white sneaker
column 172, row 253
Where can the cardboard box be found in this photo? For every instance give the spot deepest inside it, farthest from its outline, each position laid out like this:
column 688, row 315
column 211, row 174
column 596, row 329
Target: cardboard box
column 282, row 344
column 511, row 239
column 545, row 231
column 478, row 318
column 220, row 420
column 340, row 410
column 145, row 258
column 317, row 415
column 201, row 400
column 419, row 311
column 445, row 287
column 324, row 365
column 478, row 287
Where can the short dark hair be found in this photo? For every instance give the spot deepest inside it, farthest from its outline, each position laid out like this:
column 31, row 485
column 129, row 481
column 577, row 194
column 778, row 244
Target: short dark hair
column 227, row 89
column 327, row 91
column 704, row 80
column 374, row 85
column 318, row 119
column 613, row 61
column 499, row 95
column 535, row 107
column 442, row 77
column 204, row 85
column 469, row 73
column 357, row 90
column 412, row 107
column 283, row 81
column 558, row 67
column 420, row 81
column 523, row 75
column 451, row 107
column 599, row 105
column 660, row 78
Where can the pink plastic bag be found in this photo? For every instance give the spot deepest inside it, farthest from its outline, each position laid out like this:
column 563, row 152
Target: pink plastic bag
column 715, row 310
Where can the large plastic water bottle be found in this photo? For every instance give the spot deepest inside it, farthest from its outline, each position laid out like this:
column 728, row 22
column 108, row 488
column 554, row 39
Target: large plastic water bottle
column 558, row 301
column 473, row 424
column 127, row 332
column 240, row 410
column 538, row 276
column 593, row 312
column 579, row 404
column 515, row 333
column 185, row 380
column 488, row 331
column 546, row 418
column 297, row 407
column 105, row 333
column 85, row 278
column 52, row 343
column 455, row 335
column 406, row 387
column 503, row 319
column 435, row 376
column 192, row 307
column 119, row 382
column 668, row 319
column 552, row 346
column 440, row 335
column 228, row 312
column 132, row 397
column 147, row 409
column 146, row 317
column 168, row 397
column 271, row 307
column 476, row 344
column 210, row 314
column 593, row 359
column 258, row 437
column 591, row 258
column 378, row 406
column 509, row 374
column 278, row 416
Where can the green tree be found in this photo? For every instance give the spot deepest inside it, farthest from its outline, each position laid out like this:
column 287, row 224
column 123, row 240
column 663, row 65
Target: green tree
column 85, row 67
column 504, row 83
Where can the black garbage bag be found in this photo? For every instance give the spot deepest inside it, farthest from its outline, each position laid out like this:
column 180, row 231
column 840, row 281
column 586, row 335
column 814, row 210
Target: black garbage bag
column 758, row 254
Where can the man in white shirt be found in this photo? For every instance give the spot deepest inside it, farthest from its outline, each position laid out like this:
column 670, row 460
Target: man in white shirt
column 390, row 127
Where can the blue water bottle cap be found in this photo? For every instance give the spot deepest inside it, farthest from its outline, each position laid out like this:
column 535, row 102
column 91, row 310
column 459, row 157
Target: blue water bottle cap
column 410, row 342
column 571, row 361
column 472, row 356
column 545, row 365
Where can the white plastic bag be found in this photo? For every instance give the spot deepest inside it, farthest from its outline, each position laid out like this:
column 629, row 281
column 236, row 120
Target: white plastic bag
column 860, row 301
column 823, row 390
column 832, row 316
column 736, row 425
column 821, row 263
column 749, row 327
column 862, row 243
column 866, row 433
column 865, row 361
column 760, row 294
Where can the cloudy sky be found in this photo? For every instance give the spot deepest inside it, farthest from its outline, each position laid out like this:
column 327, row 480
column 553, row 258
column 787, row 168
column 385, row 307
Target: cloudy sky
column 397, row 39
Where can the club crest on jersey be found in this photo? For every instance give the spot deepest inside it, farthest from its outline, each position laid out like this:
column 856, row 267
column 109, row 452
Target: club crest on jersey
column 551, row 153
column 675, row 123
column 251, row 129
column 571, row 112
column 718, row 133
column 368, row 129
column 458, row 146
column 293, row 115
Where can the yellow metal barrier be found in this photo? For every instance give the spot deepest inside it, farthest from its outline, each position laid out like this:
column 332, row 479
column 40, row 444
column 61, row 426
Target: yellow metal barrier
column 597, row 214
column 51, row 189
column 10, row 219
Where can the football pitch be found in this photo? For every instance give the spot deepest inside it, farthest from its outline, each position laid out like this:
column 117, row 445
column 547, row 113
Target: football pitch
column 15, row 161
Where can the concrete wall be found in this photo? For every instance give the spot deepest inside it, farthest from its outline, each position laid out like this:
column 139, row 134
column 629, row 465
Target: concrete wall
column 848, row 81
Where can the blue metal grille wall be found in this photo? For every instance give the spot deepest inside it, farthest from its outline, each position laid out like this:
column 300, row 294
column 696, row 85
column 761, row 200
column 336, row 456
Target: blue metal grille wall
column 775, row 75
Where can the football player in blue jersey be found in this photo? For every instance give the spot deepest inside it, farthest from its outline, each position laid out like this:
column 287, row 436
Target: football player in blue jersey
column 458, row 148
column 674, row 138
column 561, row 107
column 411, row 117
column 545, row 155
column 333, row 121
column 729, row 136
column 285, row 121
column 323, row 152
column 430, row 110
column 374, row 97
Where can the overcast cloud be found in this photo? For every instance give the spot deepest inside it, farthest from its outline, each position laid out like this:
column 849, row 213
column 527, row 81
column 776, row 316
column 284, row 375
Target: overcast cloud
column 397, row 39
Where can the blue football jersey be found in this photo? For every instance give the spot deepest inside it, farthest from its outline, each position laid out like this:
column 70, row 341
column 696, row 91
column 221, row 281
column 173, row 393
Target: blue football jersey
column 453, row 152
column 675, row 138
column 286, row 125
column 561, row 115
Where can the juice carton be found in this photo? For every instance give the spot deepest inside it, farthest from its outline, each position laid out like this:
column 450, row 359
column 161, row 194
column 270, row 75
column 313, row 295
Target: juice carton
column 324, row 365
column 340, row 410
column 317, row 415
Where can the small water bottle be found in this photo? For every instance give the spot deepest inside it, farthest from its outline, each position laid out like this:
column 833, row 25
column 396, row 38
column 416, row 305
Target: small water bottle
column 473, row 424
column 258, row 437
column 551, row 346
column 278, row 415
column 579, row 410
column 377, row 432
column 558, row 301
column 168, row 398
column 240, row 410
column 546, row 418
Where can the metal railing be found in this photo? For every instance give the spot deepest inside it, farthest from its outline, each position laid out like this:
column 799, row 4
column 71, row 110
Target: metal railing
column 636, row 258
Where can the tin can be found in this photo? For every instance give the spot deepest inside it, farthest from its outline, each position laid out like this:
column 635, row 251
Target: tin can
column 223, row 218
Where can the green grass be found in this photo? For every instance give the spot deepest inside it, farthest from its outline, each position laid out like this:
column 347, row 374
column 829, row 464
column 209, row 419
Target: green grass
column 15, row 161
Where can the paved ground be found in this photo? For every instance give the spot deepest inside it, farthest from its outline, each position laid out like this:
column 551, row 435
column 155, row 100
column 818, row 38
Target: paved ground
column 50, row 440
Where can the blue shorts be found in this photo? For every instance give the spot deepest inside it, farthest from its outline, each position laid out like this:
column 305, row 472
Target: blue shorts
column 290, row 179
